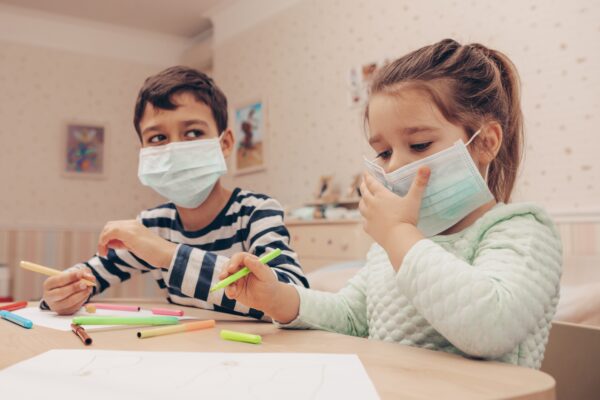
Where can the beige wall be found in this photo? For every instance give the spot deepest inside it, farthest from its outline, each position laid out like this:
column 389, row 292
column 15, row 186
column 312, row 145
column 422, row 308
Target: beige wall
column 43, row 90
column 298, row 61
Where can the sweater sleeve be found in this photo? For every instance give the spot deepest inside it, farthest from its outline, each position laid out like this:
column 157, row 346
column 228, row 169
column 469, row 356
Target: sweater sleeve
column 343, row 312
column 118, row 266
column 487, row 307
column 194, row 271
column 266, row 232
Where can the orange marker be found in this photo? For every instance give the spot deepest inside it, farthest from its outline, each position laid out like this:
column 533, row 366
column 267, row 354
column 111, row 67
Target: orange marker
column 190, row 326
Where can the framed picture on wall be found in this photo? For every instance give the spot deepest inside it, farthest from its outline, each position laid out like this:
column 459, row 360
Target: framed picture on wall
column 84, row 150
column 250, row 137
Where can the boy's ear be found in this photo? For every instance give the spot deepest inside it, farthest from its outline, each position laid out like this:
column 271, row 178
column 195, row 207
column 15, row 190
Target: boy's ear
column 227, row 142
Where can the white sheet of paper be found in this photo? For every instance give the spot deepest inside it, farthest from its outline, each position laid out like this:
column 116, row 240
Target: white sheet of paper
column 50, row 319
column 126, row 375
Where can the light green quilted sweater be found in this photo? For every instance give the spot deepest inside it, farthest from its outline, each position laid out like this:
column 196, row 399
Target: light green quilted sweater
column 489, row 291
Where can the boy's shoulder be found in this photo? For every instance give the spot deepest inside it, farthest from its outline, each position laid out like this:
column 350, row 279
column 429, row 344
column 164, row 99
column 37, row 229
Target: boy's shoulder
column 166, row 210
column 248, row 197
column 240, row 199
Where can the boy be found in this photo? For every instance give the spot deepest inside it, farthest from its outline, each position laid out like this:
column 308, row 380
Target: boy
column 181, row 121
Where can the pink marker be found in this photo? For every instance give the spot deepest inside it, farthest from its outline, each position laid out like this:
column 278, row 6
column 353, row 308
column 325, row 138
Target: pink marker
column 167, row 311
column 118, row 307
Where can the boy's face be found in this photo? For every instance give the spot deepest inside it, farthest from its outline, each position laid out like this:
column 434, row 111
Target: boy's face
column 191, row 120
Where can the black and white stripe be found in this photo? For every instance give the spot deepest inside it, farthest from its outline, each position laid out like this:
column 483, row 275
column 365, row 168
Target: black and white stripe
column 249, row 222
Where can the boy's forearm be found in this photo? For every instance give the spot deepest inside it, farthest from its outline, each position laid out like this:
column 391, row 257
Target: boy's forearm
column 285, row 305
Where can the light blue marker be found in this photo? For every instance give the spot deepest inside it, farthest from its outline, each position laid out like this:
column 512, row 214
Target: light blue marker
column 16, row 319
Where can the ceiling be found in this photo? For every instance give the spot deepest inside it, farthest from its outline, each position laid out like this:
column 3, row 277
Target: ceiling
column 183, row 18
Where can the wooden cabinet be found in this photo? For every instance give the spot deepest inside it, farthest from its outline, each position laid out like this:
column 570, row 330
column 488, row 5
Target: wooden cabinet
column 323, row 242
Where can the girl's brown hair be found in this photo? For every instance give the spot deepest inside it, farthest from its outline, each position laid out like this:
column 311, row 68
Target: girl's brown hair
column 470, row 84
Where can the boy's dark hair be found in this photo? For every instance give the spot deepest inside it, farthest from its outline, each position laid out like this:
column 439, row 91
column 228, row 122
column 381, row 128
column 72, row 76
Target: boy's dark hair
column 159, row 89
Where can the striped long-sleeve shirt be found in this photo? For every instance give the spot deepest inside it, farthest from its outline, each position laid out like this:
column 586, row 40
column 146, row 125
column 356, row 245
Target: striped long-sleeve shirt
column 249, row 222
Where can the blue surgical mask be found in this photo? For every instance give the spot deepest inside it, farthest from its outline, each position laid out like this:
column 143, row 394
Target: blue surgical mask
column 455, row 187
column 183, row 172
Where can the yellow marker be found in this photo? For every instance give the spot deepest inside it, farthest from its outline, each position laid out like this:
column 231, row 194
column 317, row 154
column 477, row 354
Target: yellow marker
column 240, row 337
column 190, row 326
column 90, row 308
column 47, row 271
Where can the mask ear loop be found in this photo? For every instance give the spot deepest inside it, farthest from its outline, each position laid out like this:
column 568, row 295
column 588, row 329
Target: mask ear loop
column 487, row 169
column 473, row 137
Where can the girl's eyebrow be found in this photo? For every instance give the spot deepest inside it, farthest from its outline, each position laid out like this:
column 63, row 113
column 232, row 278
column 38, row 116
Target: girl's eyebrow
column 411, row 130
column 374, row 139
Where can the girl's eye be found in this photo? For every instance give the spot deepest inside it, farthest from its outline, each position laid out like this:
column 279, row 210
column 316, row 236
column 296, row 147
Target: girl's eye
column 157, row 138
column 420, row 146
column 384, row 155
column 194, row 134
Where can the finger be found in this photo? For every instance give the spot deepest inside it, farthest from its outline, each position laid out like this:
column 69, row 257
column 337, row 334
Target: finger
column 59, row 294
column 417, row 188
column 367, row 196
column 116, row 244
column 232, row 291
column 73, row 300
column 111, row 232
column 63, row 279
column 235, row 263
column 362, row 208
column 260, row 270
column 87, row 273
column 102, row 243
column 373, row 184
column 89, row 276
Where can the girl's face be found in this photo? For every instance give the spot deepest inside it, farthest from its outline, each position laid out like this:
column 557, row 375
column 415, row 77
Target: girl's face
column 407, row 127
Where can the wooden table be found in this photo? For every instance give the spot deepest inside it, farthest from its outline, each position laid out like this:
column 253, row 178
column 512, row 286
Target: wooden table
column 397, row 371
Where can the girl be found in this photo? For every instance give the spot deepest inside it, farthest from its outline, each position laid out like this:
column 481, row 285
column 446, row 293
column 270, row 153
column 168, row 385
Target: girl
column 454, row 267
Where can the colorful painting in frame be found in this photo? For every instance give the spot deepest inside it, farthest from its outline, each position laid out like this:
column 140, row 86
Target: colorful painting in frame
column 250, row 138
column 84, row 151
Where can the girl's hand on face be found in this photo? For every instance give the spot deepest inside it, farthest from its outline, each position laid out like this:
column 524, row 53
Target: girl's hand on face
column 387, row 215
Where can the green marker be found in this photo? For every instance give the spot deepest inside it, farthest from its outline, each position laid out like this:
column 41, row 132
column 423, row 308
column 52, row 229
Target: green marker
column 99, row 320
column 240, row 337
column 245, row 271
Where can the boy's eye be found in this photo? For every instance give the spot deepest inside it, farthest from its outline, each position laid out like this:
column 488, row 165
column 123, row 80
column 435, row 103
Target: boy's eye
column 157, row 138
column 420, row 146
column 385, row 155
column 193, row 134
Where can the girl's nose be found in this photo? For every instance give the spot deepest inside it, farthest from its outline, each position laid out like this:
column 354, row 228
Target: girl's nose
column 395, row 163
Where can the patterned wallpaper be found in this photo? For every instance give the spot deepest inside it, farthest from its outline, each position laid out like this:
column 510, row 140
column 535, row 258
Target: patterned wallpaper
column 299, row 61
column 42, row 91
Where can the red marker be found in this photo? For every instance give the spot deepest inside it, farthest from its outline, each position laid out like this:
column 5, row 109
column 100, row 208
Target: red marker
column 14, row 306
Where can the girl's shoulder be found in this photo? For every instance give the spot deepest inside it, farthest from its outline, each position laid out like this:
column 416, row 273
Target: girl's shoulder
column 514, row 218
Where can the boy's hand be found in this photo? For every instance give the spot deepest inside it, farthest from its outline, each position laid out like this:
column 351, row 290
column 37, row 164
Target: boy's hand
column 66, row 293
column 135, row 237
column 260, row 289
column 390, row 219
